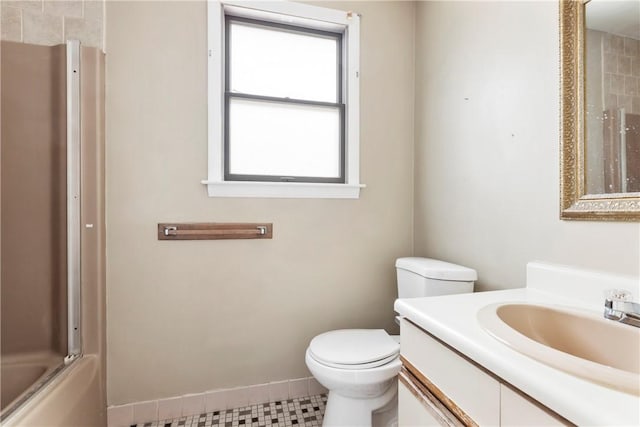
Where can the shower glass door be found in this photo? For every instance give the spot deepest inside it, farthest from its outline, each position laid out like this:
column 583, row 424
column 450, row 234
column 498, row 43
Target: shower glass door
column 39, row 216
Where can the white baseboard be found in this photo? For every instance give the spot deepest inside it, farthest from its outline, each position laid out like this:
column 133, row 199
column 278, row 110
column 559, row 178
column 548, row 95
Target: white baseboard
column 215, row 400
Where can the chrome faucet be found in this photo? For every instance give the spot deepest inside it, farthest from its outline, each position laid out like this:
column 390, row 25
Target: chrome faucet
column 616, row 307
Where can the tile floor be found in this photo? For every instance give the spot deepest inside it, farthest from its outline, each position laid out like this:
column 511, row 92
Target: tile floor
column 303, row 411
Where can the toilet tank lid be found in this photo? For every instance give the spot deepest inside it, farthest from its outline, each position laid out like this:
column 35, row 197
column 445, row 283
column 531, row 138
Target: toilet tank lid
column 435, row 269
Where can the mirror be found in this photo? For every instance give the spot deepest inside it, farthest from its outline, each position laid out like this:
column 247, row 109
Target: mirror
column 600, row 108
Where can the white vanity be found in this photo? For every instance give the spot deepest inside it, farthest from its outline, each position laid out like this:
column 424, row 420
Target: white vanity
column 456, row 373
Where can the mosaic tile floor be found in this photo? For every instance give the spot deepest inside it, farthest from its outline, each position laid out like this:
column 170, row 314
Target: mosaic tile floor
column 304, row 411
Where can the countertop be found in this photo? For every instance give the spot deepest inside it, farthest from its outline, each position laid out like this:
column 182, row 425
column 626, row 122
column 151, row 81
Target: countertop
column 452, row 319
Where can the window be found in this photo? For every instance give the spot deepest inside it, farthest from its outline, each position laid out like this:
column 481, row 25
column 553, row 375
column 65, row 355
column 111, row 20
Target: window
column 283, row 101
column 283, row 111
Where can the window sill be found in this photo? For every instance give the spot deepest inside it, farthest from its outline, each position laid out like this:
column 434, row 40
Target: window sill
column 289, row 190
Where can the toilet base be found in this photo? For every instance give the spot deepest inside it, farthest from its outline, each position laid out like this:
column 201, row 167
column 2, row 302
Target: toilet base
column 387, row 416
column 354, row 412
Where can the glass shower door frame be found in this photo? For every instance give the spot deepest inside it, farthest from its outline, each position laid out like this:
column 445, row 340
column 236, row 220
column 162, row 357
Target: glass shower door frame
column 74, row 333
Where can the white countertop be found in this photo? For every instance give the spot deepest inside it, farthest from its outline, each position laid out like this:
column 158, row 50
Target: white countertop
column 452, row 319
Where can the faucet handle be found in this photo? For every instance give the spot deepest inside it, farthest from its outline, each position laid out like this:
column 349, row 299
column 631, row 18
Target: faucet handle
column 612, row 296
column 618, row 307
column 618, row 295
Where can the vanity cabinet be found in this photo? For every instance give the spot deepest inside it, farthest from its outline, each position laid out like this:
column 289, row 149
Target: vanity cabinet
column 439, row 386
column 420, row 408
column 517, row 409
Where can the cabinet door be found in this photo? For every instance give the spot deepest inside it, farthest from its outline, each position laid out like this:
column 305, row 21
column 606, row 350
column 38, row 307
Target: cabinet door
column 416, row 407
column 517, row 410
column 472, row 390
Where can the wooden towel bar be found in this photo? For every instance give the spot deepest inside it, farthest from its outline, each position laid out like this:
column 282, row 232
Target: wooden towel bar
column 214, row 231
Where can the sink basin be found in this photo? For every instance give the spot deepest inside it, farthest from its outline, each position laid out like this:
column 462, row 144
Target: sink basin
column 577, row 342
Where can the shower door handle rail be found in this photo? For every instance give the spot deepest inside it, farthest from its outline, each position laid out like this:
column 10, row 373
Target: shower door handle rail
column 74, row 323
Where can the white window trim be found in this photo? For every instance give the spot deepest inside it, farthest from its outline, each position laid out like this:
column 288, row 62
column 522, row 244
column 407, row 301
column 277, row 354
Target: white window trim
column 296, row 12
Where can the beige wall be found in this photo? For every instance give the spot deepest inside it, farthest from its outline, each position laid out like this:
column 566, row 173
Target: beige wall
column 185, row 317
column 51, row 22
column 487, row 147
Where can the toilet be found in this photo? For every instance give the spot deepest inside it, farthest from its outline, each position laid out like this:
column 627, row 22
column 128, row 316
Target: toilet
column 359, row 366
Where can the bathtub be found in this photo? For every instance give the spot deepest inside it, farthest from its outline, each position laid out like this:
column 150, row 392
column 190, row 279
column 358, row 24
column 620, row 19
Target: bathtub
column 72, row 397
column 20, row 372
column 17, row 379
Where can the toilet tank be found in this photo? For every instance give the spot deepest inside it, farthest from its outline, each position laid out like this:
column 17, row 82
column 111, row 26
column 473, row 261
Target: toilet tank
column 424, row 277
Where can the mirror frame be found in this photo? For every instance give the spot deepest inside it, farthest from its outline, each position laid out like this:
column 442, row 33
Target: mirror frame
column 574, row 203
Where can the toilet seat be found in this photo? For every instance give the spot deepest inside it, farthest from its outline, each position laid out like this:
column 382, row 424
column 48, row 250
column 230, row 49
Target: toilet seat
column 354, row 348
column 360, row 366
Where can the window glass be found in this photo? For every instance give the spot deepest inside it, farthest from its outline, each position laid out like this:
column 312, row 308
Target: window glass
column 275, row 62
column 283, row 139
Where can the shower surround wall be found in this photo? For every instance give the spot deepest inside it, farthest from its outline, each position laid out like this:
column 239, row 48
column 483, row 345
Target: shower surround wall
column 51, row 22
column 621, row 73
column 612, row 82
column 621, row 96
column 26, row 301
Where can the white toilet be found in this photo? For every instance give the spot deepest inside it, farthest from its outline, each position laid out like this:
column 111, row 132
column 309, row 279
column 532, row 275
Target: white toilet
column 359, row 366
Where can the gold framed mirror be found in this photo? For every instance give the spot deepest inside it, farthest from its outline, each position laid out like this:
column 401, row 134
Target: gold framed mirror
column 600, row 110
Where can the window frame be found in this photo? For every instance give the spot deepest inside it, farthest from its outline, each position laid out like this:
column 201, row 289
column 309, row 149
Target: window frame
column 228, row 94
column 297, row 15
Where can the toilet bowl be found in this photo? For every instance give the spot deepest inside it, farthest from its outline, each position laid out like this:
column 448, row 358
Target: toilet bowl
column 359, row 366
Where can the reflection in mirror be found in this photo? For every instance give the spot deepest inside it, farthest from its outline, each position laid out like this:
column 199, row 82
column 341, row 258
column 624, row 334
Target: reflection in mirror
column 612, row 96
